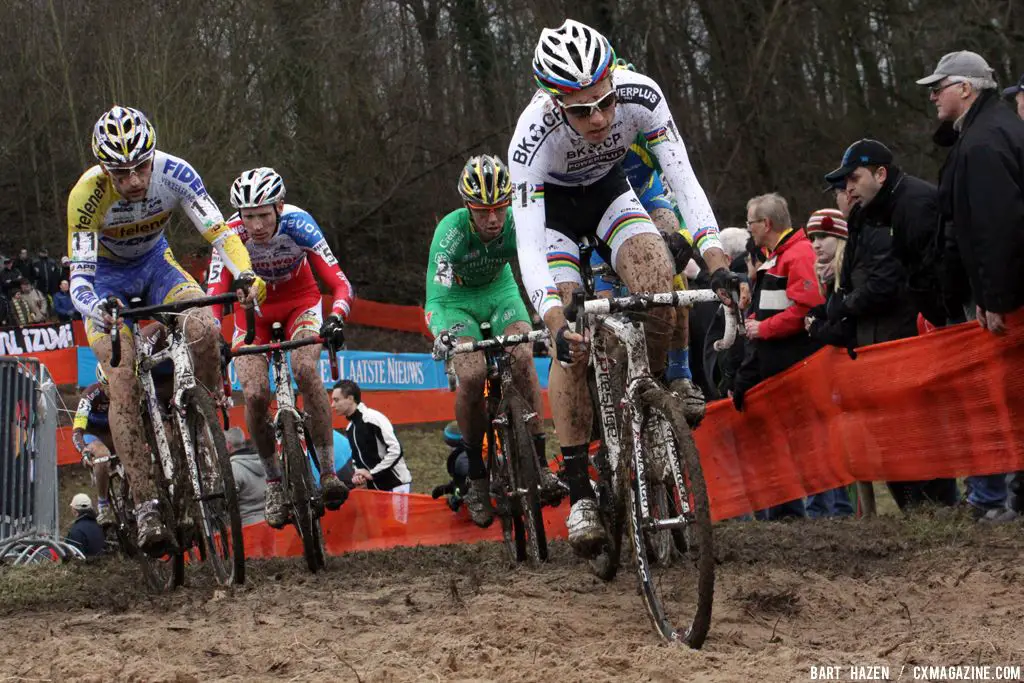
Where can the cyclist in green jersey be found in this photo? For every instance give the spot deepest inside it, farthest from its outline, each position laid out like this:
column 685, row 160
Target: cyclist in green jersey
column 469, row 281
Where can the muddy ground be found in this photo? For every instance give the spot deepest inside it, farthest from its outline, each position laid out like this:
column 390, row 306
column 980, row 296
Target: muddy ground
column 928, row 590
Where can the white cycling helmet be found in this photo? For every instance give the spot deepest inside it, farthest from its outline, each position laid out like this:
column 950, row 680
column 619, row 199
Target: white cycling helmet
column 570, row 58
column 122, row 138
column 257, row 187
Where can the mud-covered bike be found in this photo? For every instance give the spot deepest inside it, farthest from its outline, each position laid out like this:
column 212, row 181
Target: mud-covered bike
column 512, row 466
column 291, row 429
column 190, row 462
column 648, row 467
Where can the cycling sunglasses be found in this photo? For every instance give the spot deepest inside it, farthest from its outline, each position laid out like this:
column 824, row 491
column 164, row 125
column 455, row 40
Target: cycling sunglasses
column 123, row 173
column 585, row 111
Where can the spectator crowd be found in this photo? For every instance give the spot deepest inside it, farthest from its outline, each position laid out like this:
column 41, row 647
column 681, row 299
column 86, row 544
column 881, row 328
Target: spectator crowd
column 35, row 290
column 896, row 255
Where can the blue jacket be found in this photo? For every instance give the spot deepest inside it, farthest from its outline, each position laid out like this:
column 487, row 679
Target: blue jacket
column 87, row 535
column 63, row 306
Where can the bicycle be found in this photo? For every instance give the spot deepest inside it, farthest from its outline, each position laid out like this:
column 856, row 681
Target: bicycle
column 648, row 465
column 192, row 470
column 512, row 467
column 290, row 429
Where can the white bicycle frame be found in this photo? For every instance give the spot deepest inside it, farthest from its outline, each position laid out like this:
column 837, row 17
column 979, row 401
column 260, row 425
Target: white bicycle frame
column 598, row 316
column 184, row 380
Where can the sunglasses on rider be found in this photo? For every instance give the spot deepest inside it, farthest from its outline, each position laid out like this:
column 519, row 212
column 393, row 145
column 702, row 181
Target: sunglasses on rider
column 125, row 173
column 585, row 111
column 490, row 207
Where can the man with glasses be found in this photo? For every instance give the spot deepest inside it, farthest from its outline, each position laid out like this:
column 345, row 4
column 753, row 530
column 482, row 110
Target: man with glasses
column 982, row 202
column 565, row 160
column 117, row 212
column 470, row 281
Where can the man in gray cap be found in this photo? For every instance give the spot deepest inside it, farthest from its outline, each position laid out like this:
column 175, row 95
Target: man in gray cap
column 982, row 202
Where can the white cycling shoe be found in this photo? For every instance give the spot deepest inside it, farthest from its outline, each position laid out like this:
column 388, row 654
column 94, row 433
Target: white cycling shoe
column 586, row 533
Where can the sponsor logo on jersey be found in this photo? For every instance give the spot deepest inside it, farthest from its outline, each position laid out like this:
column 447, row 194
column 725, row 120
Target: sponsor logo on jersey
column 644, row 95
column 535, row 134
column 610, row 157
column 145, row 227
column 613, row 140
column 87, row 212
column 184, row 174
column 452, row 238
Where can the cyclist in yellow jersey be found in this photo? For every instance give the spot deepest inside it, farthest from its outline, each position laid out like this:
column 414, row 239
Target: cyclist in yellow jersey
column 117, row 212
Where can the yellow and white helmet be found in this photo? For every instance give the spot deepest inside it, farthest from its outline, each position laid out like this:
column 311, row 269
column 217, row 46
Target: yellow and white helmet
column 122, row 138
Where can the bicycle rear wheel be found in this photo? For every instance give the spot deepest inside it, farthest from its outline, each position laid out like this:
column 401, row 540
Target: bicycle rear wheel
column 220, row 523
column 524, row 477
column 672, row 462
column 302, row 492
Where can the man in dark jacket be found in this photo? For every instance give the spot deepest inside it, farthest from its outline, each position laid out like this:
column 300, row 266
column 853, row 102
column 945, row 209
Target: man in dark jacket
column 980, row 185
column 47, row 273
column 9, row 277
column 785, row 289
column 981, row 196
column 85, row 533
column 873, row 303
column 23, row 264
column 909, row 207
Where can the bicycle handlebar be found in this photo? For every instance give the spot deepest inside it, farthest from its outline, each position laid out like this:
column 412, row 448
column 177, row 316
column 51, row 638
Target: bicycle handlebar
column 332, row 353
column 495, row 342
column 643, row 302
column 116, row 309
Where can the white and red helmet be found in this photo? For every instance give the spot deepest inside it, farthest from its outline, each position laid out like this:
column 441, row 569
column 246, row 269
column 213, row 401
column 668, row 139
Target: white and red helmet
column 257, row 187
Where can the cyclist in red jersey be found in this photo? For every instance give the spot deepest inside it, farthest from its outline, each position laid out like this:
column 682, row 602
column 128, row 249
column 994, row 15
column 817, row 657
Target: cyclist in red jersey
column 286, row 246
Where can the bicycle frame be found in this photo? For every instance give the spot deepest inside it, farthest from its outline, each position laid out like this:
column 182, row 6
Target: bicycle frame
column 283, row 392
column 147, row 358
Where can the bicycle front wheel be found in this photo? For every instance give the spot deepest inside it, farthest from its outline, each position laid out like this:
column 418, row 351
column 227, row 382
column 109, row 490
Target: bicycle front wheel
column 302, row 492
column 167, row 571
column 667, row 492
column 524, row 477
column 221, row 522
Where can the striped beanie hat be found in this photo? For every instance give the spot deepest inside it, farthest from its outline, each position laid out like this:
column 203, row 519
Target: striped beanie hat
column 827, row 222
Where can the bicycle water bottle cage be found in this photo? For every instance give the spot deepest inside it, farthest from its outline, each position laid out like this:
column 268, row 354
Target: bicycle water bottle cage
column 277, row 332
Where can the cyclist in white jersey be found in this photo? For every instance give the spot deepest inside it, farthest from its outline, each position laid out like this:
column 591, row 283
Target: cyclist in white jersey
column 565, row 163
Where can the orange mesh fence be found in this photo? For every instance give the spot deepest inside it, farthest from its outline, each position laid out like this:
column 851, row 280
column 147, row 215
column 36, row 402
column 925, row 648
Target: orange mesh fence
column 947, row 404
column 401, row 407
column 375, row 520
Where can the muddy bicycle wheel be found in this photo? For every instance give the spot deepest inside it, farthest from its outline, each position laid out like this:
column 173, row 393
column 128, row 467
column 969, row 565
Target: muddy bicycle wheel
column 303, row 496
column 678, row 612
column 220, row 521
column 500, row 478
column 524, row 477
column 167, row 571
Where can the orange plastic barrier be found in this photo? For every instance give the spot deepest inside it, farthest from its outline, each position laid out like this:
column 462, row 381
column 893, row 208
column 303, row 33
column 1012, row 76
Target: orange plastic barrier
column 401, row 407
column 948, row 404
column 370, row 314
column 373, row 520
